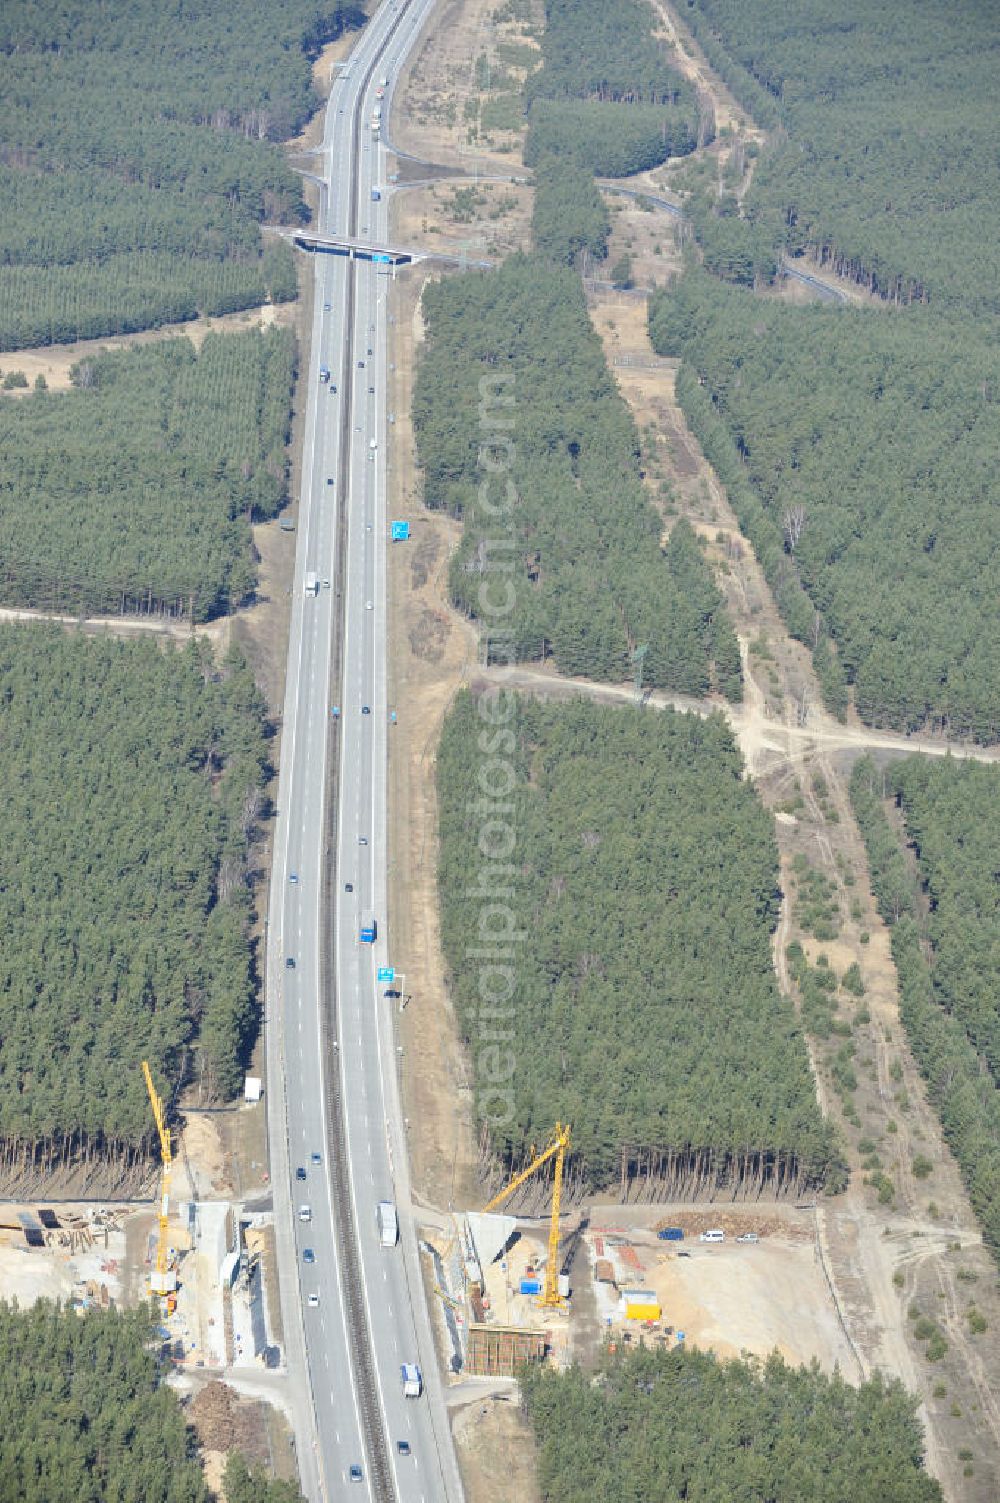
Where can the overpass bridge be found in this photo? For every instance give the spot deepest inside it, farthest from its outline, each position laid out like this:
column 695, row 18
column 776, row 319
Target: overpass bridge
column 356, row 248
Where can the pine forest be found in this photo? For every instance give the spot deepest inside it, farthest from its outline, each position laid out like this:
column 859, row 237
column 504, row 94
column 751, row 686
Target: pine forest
column 133, row 782
column 88, row 1415
column 134, row 196
column 646, row 1011
column 606, row 100
column 944, row 918
column 876, row 425
column 135, row 491
column 880, row 432
column 883, row 164
column 684, row 1427
column 577, row 557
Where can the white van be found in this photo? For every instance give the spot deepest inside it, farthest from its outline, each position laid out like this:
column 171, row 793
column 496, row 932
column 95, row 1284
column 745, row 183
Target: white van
column 713, row 1236
column 305, row 1213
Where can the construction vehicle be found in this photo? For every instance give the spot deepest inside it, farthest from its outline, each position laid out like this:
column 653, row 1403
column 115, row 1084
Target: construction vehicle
column 162, row 1279
column 551, row 1297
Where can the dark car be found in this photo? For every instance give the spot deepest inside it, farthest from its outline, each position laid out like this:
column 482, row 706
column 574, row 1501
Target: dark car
column 329, row 479
column 308, row 1256
column 293, row 876
column 332, row 389
column 356, row 1473
column 289, row 962
column 326, row 307
column 361, row 365
column 403, row 1447
column 300, row 1172
column 348, row 886
column 371, row 391
column 365, row 710
column 316, row 1158
column 370, row 350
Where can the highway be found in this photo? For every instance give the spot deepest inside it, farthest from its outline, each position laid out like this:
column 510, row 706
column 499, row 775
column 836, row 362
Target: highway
column 352, row 1311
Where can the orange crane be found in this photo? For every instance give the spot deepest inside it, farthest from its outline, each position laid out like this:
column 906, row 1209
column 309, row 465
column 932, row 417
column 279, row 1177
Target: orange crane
column 162, row 1280
column 557, row 1150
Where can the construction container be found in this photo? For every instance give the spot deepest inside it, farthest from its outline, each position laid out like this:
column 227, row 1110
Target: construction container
column 562, row 1286
column 641, row 1304
column 671, row 1234
column 531, row 1286
column 643, row 1312
column 604, row 1272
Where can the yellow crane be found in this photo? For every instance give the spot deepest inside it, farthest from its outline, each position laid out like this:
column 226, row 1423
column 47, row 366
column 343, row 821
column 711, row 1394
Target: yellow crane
column 162, row 1280
column 557, row 1150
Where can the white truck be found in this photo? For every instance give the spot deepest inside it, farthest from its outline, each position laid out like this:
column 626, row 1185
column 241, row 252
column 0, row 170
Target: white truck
column 312, row 584
column 388, row 1224
column 413, row 1383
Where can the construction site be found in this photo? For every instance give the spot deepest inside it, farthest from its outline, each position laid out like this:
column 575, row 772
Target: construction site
column 559, row 1288
column 505, row 1289
column 203, row 1259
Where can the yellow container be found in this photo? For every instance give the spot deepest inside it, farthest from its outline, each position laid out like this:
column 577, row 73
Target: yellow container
column 642, row 1312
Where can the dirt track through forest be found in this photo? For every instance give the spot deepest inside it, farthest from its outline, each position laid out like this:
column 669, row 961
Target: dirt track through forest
column 886, row 1263
column 923, row 1250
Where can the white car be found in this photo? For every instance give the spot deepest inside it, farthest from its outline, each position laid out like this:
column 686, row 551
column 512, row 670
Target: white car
column 305, row 1213
column 313, row 1301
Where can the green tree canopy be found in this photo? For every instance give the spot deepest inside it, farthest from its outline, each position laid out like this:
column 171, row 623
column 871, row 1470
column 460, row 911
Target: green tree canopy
column 133, row 778
column 683, row 1427
column 643, row 885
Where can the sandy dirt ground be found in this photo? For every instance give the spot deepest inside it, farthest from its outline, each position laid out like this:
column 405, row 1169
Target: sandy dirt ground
column 649, row 237
column 54, row 362
column 85, row 1271
column 464, row 216
column 226, row 1421
column 497, row 1452
column 432, row 651
column 446, row 100
column 733, row 1298
column 205, row 1172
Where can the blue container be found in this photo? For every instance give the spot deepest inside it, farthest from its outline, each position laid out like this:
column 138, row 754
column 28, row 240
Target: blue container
column 671, row 1234
column 531, row 1286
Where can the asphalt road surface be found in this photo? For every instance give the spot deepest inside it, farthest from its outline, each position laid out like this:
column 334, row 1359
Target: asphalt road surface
column 333, row 1100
